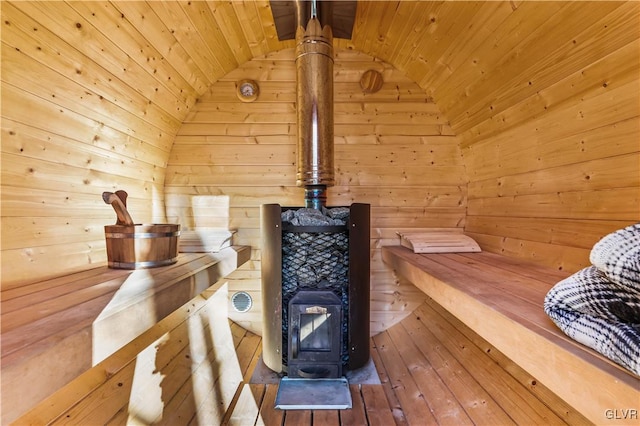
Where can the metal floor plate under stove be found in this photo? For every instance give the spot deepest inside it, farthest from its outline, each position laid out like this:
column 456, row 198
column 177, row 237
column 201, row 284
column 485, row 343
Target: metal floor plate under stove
column 313, row 394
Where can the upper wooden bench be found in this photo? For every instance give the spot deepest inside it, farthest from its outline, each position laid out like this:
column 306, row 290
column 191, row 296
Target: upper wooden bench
column 501, row 299
column 54, row 330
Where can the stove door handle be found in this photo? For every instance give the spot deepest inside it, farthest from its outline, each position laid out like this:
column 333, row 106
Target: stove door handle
column 295, row 341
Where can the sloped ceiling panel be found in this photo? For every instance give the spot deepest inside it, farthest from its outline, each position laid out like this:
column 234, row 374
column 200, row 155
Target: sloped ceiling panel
column 466, row 55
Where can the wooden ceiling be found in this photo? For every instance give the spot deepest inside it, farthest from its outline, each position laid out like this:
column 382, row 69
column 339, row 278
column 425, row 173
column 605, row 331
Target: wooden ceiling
column 475, row 59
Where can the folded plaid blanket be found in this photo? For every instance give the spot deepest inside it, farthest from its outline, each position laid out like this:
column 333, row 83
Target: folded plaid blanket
column 599, row 306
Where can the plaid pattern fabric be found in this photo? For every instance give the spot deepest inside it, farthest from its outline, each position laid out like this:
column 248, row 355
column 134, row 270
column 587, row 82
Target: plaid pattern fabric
column 599, row 306
column 618, row 256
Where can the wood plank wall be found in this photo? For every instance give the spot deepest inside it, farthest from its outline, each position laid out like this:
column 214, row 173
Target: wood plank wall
column 73, row 127
column 93, row 94
column 554, row 163
column 545, row 99
column 394, row 150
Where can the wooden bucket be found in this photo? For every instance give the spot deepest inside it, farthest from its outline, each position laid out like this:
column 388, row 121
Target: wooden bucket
column 141, row 246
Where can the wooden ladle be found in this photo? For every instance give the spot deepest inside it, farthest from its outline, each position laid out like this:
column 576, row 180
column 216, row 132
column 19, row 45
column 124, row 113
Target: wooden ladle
column 123, row 196
column 124, row 218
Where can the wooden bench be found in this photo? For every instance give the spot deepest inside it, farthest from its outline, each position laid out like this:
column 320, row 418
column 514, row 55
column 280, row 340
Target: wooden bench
column 54, row 330
column 185, row 360
column 501, row 299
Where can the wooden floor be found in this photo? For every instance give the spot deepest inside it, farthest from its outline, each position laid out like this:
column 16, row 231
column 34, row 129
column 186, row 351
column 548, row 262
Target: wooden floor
column 433, row 370
column 196, row 367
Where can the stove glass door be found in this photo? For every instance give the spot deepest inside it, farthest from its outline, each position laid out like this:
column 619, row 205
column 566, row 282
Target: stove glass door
column 315, row 332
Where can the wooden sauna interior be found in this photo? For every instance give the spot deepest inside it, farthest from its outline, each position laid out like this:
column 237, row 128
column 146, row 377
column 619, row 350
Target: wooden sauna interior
column 515, row 122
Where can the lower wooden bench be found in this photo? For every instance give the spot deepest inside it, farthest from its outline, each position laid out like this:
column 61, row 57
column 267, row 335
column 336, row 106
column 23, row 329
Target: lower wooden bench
column 130, row 387
column 54, row 330
column 501, row 299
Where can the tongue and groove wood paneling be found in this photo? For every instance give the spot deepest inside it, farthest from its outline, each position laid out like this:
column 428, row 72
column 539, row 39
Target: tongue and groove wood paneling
column 544, row 97
column 539, row 98
column 94, row 94
column 556, row 167
column 102, row 95
column 393, row 149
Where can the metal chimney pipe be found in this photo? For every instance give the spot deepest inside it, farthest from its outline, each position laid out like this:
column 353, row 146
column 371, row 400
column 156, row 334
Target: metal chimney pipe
column 314, row 96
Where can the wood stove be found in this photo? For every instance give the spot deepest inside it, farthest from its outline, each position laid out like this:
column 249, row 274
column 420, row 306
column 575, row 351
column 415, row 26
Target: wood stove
column 315, row 287
column 315, row 259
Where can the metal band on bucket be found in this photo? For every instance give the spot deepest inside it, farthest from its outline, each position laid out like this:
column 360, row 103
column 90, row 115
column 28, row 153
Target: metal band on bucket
column 141, row 265
column 141, row 234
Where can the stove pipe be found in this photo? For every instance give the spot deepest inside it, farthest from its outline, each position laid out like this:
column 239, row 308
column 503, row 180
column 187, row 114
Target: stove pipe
column 314, row 96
